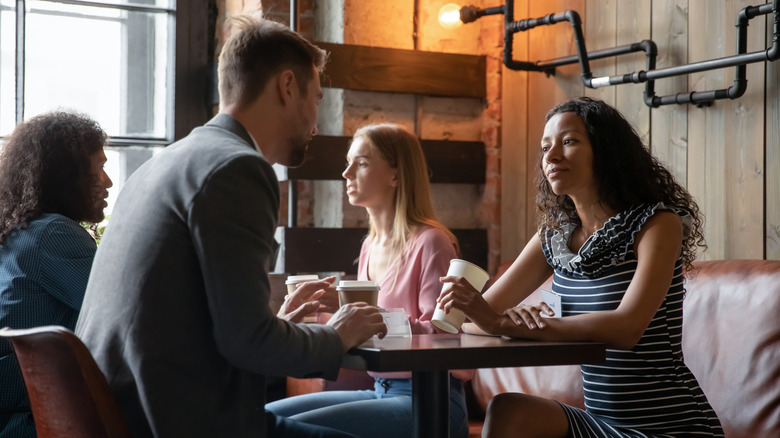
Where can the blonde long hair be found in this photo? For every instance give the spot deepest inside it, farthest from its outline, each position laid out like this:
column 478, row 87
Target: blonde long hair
column 413, row 206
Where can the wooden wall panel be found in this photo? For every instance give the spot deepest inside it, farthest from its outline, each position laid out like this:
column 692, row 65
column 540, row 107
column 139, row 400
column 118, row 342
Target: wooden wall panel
column 772, row 216
column 514, row 134
column 634, row 18
column 547, row 42
column 726, row 139
column 669, row 123
column 600, row 30
column 728, row 154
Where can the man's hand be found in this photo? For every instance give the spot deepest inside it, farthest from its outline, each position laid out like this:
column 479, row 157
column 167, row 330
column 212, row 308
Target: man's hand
column 357, row 323
column 310, row 297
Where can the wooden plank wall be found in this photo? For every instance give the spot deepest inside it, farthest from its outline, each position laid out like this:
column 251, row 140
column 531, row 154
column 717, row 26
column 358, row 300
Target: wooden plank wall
column 772, row 142
column 727, row 155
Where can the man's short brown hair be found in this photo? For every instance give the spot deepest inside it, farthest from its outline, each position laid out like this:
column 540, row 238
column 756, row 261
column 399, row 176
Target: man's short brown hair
column 256, row 50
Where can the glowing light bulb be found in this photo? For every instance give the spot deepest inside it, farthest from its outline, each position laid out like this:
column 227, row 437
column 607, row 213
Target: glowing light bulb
column 449, row 16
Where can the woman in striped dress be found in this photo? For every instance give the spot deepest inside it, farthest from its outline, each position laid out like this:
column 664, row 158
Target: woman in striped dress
column 617, row 232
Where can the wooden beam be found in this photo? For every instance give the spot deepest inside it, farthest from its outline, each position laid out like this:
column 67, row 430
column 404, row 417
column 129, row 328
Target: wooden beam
column 307, row 250
column 366, row 68
column 448, row 161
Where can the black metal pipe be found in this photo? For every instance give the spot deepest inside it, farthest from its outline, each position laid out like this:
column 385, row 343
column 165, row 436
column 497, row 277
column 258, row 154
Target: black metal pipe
column 511, row 27
column 509, row 14
column 582, row 53
column 651, row 73
column 773, row 53
column 469, row 14
column 739, row 87
column 598, row 54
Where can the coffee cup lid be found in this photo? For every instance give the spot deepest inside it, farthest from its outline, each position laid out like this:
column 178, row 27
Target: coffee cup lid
column 357, row 285
column 292, row 279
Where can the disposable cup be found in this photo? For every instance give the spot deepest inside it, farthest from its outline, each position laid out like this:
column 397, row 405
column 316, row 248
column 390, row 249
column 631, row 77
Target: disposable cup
column 351, row 291
column 292, row 283
column 476, row 276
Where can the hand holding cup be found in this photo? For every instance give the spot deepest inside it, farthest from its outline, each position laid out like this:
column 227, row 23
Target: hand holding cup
column 307, row 296
column 446, row 317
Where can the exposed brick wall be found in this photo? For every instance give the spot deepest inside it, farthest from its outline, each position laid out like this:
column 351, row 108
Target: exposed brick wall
column 491, row 44
column 362, row 25
column 279, row 10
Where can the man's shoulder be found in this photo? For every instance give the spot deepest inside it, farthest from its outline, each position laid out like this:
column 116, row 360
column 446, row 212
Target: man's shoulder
column 204, row 151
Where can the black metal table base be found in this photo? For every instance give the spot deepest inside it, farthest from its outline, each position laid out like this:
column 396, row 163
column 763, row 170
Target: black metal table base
column 431, row 404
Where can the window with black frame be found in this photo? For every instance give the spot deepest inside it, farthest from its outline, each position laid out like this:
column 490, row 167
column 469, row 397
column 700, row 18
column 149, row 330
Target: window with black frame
column 119, row 61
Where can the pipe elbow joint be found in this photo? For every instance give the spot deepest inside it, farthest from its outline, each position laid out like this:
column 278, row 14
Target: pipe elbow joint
column 587, row 80
column 743, row 18
column 573, row 17
column 649, row 47
column 737, row 90
column 773, row 53
column 651, row 101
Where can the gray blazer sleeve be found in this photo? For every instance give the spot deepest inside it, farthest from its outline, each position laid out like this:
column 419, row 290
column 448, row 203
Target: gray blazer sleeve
column 242, row 196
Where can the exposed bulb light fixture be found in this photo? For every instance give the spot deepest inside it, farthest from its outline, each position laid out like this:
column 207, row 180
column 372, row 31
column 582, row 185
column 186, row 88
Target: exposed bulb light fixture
column 449, row 16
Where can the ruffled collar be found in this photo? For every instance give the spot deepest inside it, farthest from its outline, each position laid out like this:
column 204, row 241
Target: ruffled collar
column 609, row 246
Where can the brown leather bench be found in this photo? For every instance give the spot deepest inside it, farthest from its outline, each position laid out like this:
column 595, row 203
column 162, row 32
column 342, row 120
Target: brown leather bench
column 731, row 343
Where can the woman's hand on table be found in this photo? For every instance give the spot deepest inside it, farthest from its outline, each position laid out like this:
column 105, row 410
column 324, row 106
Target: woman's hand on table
column 530, row 316
column 310, row 297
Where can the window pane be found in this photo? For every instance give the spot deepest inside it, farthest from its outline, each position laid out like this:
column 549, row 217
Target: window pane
column 155, row 3
column 7, row 66
column 108, row 63
column 121, row 162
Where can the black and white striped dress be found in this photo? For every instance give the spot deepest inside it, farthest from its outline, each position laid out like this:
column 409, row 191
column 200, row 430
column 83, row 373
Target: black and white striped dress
column 647, row 391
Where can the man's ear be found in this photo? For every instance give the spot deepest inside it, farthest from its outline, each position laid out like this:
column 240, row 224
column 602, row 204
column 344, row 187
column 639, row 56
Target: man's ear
column 286, row 84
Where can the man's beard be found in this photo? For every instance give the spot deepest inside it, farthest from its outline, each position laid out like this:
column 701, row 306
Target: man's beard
column 96, row 214
column 297, row 153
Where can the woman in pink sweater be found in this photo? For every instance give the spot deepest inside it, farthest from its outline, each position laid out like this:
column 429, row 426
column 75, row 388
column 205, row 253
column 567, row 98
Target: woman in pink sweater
column 406, row 251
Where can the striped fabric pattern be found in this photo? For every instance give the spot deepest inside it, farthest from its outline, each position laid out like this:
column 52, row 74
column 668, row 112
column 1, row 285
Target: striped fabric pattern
column 43, row 275
column 647, row 391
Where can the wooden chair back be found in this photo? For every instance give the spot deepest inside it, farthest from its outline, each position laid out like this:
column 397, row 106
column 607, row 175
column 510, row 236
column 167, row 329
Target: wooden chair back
column 68, row 393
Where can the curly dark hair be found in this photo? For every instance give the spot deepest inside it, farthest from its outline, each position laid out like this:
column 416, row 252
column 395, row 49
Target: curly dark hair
column 45, row 168
column 626, row 173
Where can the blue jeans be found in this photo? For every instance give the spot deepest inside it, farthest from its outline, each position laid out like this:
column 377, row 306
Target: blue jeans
column 280, row 427
column 384, row 412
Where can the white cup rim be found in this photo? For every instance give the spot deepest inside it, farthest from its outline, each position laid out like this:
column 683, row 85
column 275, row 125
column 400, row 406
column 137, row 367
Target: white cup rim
column 468, row 263
column 347, row 285
column 353, row 288
column 292, row 279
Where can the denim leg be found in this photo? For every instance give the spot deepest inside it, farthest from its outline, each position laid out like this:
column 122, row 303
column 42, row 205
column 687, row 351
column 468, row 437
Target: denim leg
column 287, row 407
column 459, row 421
column 389, row 417
column 384, row 412
column 280, row 427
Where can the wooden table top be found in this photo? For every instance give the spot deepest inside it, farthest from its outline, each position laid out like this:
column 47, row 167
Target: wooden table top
column 436, row 352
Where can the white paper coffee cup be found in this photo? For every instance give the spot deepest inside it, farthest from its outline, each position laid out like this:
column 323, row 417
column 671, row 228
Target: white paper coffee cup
column 351, row 291
column 476, row 276
column 292, row 283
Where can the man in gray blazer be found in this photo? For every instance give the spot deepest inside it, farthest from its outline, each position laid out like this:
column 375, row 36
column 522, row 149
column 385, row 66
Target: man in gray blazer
column 176, row 311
